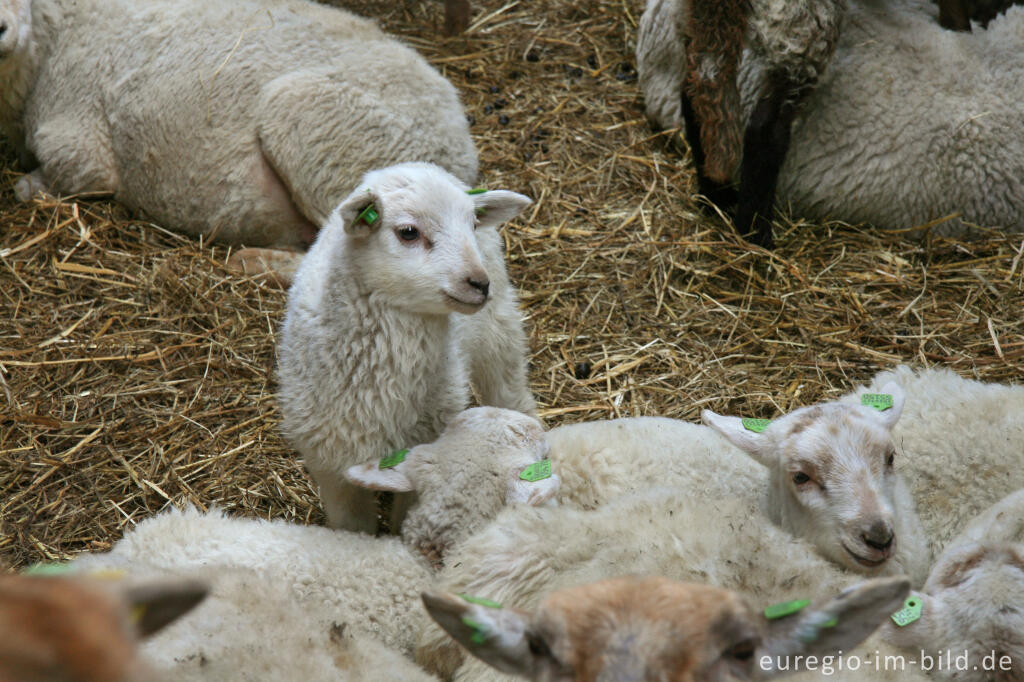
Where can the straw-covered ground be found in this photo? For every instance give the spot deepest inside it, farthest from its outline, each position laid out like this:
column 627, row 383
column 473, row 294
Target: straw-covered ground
column 136, row 372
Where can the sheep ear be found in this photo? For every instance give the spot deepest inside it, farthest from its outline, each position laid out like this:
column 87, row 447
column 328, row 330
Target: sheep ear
column 495, row 635
column 889, row 417
column 840, row 624
column 388, row 479
column 736, row 433
column 498, row 206
column 534, row 494
column 156, row 605
column 361, row 212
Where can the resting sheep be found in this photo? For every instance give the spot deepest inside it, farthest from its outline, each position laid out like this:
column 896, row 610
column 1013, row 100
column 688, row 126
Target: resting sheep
column 84, row 629
column 526, row 553
column 370, row 584
column 824, row 473
column 911, row 123
column 250, row 131
column 960, row 445
column 636, row 628
column 373, row 356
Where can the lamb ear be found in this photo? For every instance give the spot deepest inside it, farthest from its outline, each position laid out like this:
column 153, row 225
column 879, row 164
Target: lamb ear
column 498, row 206
column 361, row 212
column 534, row 494
column 495, row 635
column 732, row 428
column 840, row 624
column 889, row 417
column 392, row 479
column 156, row 605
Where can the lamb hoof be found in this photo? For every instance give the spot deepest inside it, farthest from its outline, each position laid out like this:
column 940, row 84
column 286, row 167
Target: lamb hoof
column 30, row 185
column 279, row 265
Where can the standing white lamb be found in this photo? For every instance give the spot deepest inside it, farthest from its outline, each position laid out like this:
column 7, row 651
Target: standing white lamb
column 245, row 121
column 369, row 585
column 401, row 305
column 960, row 444
column 910, row 122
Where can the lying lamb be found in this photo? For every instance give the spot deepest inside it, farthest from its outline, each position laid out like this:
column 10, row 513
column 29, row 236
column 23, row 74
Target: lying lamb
column 911, row 123
column 371, row 585
column 373, row 356
column 249, row 132
column 84, row 629
column 635, row 628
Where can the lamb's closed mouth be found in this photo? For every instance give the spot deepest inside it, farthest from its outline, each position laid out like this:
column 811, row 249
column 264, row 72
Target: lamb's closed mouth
column 863, row 561
column 463, row 303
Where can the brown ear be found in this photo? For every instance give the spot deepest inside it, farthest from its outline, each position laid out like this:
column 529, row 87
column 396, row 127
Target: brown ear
column 156, row 605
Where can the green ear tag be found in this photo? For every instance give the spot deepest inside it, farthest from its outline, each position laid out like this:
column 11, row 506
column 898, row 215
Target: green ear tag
column 910, row 612
column 537, row 471
column 369, row 215
column 394, row 459
column 479, row 635
column 476, row 190
column 879, row 401
column 480, row 211
column 755, row 425
column 481, row 601
column 786, row 608
column 48, row 569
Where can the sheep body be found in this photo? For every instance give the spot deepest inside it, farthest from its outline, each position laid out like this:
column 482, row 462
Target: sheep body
column 526, row 553
column 910, row 122
column 249, row 132
column 960, row 445
column 373, row 356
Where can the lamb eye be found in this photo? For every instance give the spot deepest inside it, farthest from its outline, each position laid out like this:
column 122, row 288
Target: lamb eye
column 743, row 651
column 800, row 478
column 538, row 647
column 408, row 233
column 890, row 459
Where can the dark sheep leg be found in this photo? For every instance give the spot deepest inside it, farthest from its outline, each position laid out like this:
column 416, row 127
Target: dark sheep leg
column 765, row 144
column 456, row 16
column 723, row 196
column 953, row 15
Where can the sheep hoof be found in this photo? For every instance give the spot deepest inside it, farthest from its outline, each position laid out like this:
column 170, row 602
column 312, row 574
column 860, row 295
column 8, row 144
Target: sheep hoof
column 279, row 265
column 30, row 185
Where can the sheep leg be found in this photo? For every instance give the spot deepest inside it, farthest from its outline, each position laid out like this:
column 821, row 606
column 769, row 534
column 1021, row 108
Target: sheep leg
column 954, row 16
column 279, row 264
column 765, row 144
column 456, row 16
column 74, row 157
column 347, row 506
column 721, row 195
column 30, row 185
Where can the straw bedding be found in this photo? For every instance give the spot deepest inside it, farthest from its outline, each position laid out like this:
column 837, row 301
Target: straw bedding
column 136, row 372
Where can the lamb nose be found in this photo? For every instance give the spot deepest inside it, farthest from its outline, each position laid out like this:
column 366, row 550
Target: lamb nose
column 483, row 287
column 879, row 537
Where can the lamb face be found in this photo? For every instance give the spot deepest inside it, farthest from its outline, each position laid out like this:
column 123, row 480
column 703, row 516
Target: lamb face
column 656, row 629
column 412, row 229
column 833, row 479
column 15, row 26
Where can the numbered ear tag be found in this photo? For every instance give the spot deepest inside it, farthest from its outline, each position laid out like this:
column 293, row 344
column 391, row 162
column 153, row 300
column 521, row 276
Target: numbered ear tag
column 480, row 630
column 394, row 459
column 755, row 425
column 879, row 401
column 537, row 471
column 910, row 612
column 47, row 570
column 786, row 608
column 368, row 215
column 481, row 601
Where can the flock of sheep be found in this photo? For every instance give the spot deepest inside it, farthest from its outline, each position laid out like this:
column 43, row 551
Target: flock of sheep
column 877, row 536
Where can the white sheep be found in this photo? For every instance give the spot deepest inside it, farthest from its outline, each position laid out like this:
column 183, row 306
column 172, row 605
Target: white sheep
column 960, row 445
column 84, row 628
column 973, row 603
column 910, row 123
column 636, row 628
column 373, row 356
column 370, row 584
column 244, row 121
column 526, row 553
column 822, row 473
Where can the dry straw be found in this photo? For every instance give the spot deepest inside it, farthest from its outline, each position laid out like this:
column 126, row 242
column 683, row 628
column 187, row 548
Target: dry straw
column 136, row 372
